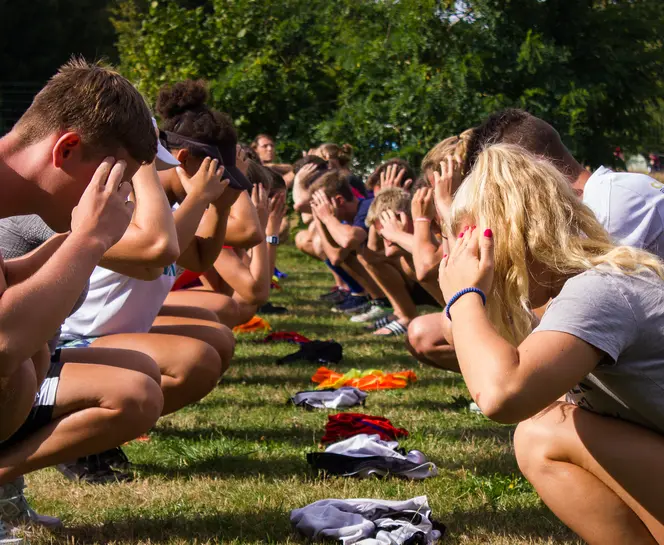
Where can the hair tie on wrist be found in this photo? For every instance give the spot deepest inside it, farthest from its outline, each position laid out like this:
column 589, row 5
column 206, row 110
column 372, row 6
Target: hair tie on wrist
column 458, row 295
column 428, row 220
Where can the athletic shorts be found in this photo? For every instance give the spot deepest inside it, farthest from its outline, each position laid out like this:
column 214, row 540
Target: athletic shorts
column 78, row 343
column 41, row 413
column 422, row 297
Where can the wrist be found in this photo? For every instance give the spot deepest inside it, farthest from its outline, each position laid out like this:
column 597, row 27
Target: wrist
column 89, row 242
column 463, row 302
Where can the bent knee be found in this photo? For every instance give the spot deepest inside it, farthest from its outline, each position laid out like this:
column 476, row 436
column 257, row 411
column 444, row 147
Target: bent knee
column 139, row 402
column 419, row 336
column 145, row 364
column 537, row 441
column 204, row 372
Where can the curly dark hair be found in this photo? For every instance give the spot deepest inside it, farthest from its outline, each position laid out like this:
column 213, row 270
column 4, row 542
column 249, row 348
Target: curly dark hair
column 374, row 179
column 183, row 110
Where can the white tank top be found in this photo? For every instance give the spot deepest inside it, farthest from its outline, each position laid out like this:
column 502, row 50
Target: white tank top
column 116, row 303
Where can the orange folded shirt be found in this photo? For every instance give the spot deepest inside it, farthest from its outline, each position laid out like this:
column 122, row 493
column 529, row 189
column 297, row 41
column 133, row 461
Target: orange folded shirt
column 252, row 326
column 373, row 379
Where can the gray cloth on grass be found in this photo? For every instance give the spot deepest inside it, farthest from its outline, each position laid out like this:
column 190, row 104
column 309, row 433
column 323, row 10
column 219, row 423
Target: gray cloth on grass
column 341, row 398
column 368, row 521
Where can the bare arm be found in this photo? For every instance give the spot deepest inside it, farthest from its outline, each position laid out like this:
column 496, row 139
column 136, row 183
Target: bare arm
column 33, row 309
column 427, row 253
column 150, row 239
column 332, row 250
column 19, row 269
column 244, row 229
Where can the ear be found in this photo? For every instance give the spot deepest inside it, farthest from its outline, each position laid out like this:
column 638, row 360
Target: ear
column 339, row 200
column 182, row 155
column 67, row 146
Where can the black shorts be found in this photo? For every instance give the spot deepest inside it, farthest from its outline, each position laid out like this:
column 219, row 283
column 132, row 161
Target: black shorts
column 421, row 296
column 41, row 413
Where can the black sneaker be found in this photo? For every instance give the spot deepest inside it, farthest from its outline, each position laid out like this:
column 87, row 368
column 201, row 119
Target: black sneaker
column 335, row 296
column 352, row 304
column 269, row 308
column 115, row 458
column 91, row 470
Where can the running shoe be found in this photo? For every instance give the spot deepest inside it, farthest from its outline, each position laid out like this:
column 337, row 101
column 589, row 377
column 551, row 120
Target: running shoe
column 352, row 303
column 14, row 510
column 374, row 313
column 115, row 458
column 335, row 295
column 92, row 470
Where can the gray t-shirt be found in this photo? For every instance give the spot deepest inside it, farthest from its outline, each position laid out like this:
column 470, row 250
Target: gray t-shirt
column 623, row 316
column 20, row 235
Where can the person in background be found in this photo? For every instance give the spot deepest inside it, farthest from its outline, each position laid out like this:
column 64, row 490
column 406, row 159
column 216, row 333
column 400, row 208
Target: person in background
column 264, row 146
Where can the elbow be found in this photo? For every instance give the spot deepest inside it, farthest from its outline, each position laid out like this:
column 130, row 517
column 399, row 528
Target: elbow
column 253, row 237
column 259, row 296
column 499, row 407
column 164, row 252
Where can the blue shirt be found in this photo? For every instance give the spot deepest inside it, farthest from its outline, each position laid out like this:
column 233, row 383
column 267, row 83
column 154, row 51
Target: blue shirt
column 361, row 215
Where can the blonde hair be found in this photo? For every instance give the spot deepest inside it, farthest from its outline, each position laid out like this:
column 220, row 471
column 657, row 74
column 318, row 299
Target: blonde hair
column 394, row 198
column 535, row 216
column 454, row 145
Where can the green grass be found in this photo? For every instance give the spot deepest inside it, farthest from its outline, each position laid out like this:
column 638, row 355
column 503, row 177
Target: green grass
column 230, row 469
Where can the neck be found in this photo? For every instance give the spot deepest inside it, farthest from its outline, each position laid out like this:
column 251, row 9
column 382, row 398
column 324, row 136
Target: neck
column 172, row 186
column 579, row 178
column 20, row 169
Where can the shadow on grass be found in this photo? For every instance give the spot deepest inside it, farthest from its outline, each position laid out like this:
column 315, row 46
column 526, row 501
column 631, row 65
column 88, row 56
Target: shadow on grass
column 534, row 522
column 260, row 526
column 287, row 381
column 292, row 436
column 230, row 466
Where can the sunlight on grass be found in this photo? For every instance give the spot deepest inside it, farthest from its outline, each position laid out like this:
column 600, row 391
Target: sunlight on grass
column 229, row 469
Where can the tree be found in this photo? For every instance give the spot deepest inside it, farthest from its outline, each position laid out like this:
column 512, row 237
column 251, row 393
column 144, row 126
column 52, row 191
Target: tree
column 393, row 77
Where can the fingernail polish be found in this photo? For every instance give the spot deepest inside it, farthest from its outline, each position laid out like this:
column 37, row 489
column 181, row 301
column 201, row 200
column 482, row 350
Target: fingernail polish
column 473, row 227
column 444, row 256
column 461, row 234
column 488, row 233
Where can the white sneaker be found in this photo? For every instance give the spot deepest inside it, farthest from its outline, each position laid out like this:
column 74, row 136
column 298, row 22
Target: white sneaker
column 371, row 315
column 474, row 408
column 14, row 508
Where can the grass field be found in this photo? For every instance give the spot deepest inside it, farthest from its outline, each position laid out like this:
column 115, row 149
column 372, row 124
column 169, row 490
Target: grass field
column 230, row 469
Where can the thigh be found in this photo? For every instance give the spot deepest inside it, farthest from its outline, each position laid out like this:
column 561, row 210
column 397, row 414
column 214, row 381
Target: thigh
column 221, row 305
column 17, row 395
column 624, row 456
column 103, row 352
column 85, row 385
column 190, row 327
column 187, row 312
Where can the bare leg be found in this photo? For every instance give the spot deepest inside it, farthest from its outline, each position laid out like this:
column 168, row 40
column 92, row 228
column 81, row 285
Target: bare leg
column 199, row 313
column 393, row 284
column 214, row 334
column 359, row 273
column 427, row 344
column 601, row 476
column 228, row 310
column 189, row 368
column 97, row 407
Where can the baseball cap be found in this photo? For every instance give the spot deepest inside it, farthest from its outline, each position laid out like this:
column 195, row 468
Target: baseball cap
column 164, row 160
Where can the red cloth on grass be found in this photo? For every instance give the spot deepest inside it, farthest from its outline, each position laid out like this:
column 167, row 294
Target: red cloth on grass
column 286, row 336
column 344, row 425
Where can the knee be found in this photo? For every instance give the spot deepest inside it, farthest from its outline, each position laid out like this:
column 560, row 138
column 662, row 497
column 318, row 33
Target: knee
column 145, row 364
column 225, row 346
column 140, row 403
column 419, row 337
column 302, row 239
column 533, row 443
column 202, row 376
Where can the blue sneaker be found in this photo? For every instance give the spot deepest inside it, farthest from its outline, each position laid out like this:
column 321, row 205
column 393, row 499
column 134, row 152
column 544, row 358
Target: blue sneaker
column 352, row 303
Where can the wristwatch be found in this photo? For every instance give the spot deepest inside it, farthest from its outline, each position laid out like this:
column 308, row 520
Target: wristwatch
column 272, row 240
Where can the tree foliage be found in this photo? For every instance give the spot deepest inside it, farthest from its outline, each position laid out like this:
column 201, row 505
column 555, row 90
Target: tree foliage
column 393, row 77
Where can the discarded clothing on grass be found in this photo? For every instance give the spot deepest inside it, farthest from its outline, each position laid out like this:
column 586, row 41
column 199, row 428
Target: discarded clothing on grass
column 367, row 455
column 372, row 379
column 274, row 284
column 254, row 325
column 344, row 425
column 286, row 337
column 279, row 274
column 342, row 398
column 369, row 522
column 316, row 352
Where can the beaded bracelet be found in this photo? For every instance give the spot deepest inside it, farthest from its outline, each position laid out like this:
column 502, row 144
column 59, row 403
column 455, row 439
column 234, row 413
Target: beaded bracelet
column 458, row 295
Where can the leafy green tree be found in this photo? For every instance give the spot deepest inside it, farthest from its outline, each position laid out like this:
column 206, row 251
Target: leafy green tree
column 393, row 78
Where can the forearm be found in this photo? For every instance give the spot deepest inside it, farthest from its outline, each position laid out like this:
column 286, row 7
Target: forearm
column 488, row 362
column 261, row 267
column 151, row 238
column 332, row 250
column 32, row 310
column 343, row 235
column 405, row 240
column 17, row 270
column 187, row 219
column 208, row 241
column 244, row 228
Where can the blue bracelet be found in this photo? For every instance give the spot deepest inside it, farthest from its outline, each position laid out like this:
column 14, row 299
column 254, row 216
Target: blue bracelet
column 458, row 295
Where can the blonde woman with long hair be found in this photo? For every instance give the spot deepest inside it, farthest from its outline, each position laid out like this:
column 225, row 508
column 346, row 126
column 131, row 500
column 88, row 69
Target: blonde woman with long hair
column 587, row 383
